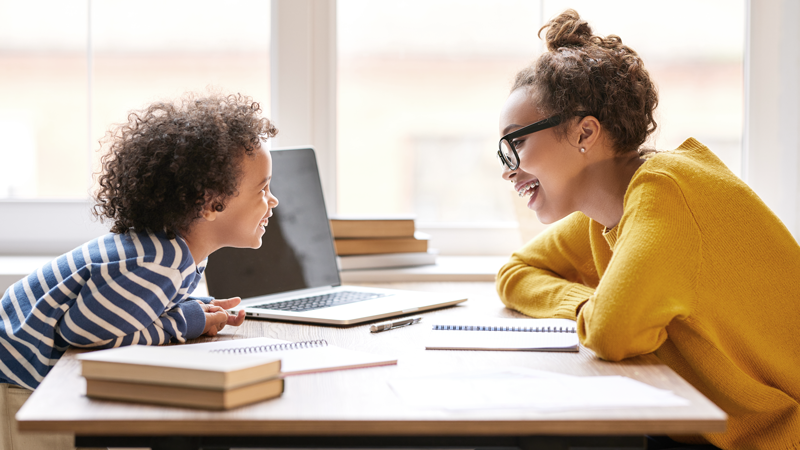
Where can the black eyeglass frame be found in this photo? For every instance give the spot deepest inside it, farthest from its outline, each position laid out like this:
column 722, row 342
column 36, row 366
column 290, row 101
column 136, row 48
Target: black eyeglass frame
column 528, row 129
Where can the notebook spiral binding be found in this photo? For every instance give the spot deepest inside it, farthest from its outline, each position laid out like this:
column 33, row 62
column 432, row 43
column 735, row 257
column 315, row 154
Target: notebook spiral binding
column 496, row 328
column 273, row 347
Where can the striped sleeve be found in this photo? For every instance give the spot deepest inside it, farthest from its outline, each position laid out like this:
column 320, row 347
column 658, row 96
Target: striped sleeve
column 121, row 305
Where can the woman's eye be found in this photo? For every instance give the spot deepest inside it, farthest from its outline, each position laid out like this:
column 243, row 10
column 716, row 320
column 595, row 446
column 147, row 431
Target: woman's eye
column 517, row 143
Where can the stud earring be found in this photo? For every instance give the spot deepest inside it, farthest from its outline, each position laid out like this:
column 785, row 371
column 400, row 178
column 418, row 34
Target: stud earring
column 583, row 150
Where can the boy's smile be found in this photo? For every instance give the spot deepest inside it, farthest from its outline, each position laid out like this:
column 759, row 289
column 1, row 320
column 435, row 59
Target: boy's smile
column 246, row 215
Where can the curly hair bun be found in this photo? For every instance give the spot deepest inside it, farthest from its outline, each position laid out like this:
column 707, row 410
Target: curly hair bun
column 582, row 75
column 566, row 30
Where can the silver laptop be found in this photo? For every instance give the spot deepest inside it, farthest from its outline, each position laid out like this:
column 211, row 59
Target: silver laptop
column 293, row 276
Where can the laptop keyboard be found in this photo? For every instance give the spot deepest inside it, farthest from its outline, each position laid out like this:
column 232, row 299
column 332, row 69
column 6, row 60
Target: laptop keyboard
column 321, row 301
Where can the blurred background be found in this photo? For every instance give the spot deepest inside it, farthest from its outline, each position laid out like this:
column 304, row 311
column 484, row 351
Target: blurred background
column 420, row 84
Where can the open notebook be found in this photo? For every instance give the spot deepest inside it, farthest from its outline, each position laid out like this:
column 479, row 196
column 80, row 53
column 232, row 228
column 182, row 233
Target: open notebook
column 546, row 335
column 297, row 357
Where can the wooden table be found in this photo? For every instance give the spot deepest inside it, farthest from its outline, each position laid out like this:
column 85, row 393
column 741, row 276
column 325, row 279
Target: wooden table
column 357, row 408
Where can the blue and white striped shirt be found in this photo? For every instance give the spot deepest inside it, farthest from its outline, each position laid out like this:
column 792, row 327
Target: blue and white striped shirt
column 119, row 289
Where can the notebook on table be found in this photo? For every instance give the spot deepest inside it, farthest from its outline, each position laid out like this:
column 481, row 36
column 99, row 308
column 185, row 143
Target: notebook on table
column 296, row 358
column 294, row 275
column 544, row 335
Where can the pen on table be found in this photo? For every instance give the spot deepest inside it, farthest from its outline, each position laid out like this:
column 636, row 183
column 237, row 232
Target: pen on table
column 392, row 324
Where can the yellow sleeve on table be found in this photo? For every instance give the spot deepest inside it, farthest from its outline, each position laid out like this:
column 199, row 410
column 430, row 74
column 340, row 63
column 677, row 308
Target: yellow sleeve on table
column 553, row 274
column 652, row 277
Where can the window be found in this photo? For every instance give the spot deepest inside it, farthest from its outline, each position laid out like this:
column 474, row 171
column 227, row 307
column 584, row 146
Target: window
column 420, row 86
column 44, row 148
column 693, row 48
column 421, row 82
column 73, row 68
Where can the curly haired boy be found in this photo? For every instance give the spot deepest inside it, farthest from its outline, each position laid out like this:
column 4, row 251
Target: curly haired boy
column 179, row 181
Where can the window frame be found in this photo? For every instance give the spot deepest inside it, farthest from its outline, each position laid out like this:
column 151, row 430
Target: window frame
column 303, row 89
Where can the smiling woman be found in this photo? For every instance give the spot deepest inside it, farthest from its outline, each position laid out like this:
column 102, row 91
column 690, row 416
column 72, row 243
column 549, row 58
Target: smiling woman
column 650, row 251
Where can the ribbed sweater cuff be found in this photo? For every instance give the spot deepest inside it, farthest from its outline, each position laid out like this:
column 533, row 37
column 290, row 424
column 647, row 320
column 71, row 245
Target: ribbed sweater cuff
column 575, row 297
column 195, row 318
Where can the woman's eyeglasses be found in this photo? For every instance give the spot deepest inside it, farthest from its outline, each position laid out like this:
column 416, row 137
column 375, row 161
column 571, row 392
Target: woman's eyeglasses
column 508, row 153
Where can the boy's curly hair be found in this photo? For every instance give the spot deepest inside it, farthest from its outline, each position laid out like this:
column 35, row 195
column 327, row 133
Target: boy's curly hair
column 169, row 159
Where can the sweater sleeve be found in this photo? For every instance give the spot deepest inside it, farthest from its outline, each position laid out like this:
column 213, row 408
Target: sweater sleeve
column 651, row 278
column 119, row 306
column 553, row 274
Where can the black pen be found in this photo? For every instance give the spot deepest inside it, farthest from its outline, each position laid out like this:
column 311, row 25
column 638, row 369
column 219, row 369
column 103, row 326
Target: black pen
column 392, row 324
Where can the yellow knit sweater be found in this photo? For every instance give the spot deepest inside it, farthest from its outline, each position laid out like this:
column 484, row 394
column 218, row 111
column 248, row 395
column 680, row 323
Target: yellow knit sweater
column 699, row 271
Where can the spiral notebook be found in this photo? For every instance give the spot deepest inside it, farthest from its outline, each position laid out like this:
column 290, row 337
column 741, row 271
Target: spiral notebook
column 543, row 335
column 297, row 357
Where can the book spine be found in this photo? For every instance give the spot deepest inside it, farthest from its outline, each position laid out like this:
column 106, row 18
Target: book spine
column 376, row 246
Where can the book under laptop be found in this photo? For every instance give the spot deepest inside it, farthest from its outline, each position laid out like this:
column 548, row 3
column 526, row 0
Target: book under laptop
column 294, row 276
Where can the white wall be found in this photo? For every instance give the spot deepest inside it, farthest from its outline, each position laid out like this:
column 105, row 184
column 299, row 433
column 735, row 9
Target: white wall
column 303, row 82
column 772, row 107
column 46, row 227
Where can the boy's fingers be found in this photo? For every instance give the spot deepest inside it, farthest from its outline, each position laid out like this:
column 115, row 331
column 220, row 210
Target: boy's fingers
column 210, row 307
column 236, row 320
column 214, row 319
column 226, row 303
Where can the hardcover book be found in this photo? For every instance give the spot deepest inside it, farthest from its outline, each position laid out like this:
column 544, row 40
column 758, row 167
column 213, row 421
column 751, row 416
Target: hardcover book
column 368, row 246
column 176, row 366
column 372, row 227
column 184, row 396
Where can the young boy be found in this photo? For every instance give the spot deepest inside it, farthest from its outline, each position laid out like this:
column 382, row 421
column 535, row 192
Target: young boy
column 179, row 182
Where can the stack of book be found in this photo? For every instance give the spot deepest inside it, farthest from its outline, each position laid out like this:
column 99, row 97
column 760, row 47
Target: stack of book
column 372, row 243
column 174, row 376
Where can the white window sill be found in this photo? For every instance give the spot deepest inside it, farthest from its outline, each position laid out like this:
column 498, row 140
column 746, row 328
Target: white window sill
column 14, row 268
column 447, row 268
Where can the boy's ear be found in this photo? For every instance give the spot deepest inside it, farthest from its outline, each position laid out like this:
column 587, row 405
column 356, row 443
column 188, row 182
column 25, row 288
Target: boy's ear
column 211, row 208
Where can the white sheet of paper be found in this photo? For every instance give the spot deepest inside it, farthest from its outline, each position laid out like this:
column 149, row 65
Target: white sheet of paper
column 516, row 388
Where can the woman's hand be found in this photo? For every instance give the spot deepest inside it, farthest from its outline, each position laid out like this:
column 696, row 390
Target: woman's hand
column 217, row 315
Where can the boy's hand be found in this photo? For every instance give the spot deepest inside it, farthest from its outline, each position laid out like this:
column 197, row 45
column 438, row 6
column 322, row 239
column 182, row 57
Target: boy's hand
column 217, row 316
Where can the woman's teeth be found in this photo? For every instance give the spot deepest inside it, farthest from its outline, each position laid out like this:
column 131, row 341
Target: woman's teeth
column 527, row 190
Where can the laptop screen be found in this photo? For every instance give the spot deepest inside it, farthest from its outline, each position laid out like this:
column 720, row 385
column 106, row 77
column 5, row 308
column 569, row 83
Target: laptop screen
column 297, row 250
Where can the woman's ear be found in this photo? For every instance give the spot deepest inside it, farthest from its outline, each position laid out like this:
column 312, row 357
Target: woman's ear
column 588, row 131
